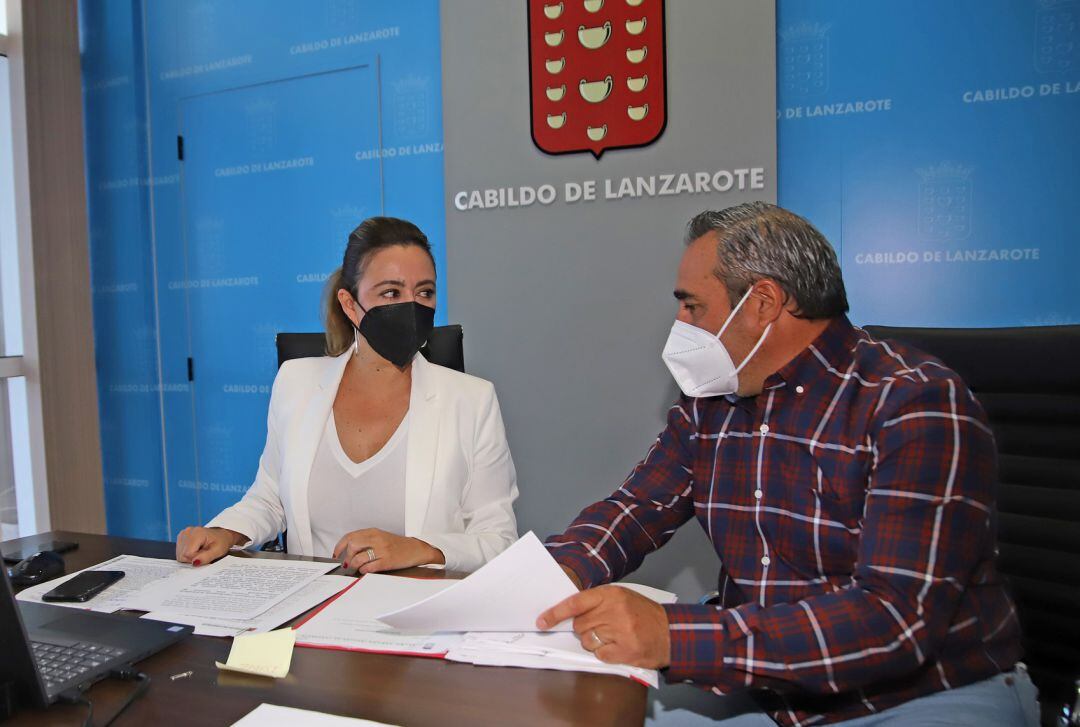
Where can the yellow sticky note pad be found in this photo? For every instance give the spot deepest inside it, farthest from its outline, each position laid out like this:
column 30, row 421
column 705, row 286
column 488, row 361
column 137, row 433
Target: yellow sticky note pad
column 267, row 655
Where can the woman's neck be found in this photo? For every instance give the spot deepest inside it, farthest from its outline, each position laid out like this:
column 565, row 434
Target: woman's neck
column 371, row 368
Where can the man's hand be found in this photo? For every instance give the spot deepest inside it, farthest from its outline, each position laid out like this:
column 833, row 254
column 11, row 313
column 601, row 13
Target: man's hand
column 616, row 624
column 372, row 550
column 204, row 545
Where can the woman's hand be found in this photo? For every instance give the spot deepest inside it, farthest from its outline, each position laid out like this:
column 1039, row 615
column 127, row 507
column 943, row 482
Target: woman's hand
column 391, row 552
column 204, row 545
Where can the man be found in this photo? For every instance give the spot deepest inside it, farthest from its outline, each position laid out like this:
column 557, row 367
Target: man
column 847, row 485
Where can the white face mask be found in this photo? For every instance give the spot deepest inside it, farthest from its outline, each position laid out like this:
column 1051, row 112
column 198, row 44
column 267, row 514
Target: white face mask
column 698, row 361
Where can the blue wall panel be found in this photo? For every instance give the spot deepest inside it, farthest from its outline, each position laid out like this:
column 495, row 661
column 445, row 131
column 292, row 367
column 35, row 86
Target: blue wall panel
column 934, row 143
column 309, row 157
column 122, row 271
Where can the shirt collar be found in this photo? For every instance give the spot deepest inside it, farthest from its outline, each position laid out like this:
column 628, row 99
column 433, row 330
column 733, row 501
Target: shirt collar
column 833, row 346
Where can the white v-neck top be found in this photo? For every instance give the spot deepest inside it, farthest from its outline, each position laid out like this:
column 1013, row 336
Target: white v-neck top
column 344, row 495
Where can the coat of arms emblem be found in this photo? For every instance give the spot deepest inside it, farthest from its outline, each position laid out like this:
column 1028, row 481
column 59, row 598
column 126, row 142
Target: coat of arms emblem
column 597, row 74
column 1056, row 47
column 945, row 199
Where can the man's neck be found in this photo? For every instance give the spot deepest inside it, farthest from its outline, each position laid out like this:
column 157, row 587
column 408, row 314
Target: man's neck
column 789, row 337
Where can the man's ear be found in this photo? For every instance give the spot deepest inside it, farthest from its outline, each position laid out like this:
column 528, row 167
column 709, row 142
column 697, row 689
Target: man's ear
column 767, row 301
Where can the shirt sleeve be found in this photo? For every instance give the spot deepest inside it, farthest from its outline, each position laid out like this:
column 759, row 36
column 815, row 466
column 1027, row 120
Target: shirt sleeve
column 487, row 503
column 610, row 538
column 928, row 520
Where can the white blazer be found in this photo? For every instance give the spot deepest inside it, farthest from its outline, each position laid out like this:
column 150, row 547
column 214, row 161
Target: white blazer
column 460, row 482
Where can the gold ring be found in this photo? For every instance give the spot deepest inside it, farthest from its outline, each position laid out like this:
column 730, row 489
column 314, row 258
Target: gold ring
column 370, row 555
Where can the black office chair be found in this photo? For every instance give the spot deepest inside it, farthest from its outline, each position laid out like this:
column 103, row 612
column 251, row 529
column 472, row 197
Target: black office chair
column 1028, row 381
column 444, row 347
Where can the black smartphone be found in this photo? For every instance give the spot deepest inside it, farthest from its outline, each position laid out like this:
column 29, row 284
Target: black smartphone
column 84, row 586
column 25, row 551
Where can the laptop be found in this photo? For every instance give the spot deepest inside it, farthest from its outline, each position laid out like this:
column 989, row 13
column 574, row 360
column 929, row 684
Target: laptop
column 46, row 650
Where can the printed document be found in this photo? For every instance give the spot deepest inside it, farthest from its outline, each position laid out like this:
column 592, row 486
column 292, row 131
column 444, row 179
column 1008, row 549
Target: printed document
column 309, row 597
column 233, row 588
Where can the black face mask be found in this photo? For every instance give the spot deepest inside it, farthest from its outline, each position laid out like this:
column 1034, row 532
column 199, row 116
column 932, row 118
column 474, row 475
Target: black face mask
column 398, row 330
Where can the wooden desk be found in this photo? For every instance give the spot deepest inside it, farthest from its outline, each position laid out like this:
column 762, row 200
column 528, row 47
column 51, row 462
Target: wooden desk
column 394, row 689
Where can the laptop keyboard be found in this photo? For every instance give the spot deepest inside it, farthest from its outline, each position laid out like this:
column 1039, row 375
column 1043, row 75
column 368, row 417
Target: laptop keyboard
column 60, row 664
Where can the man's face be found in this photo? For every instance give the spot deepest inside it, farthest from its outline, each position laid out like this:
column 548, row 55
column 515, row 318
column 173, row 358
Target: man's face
column 703, row 299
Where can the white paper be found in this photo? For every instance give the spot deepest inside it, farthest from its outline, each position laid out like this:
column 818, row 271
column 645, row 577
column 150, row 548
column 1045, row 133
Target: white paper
column 271, row 715
column 507, row 594
column 232, row 588
column 559, row 650
column 309, row 597
column 140, row 575
column 546, row 650
column 349, row 622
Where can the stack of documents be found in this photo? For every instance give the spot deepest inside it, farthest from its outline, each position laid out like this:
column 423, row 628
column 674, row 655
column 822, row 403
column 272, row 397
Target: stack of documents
column 234, row 595
column 310, row 596
column 487, row 619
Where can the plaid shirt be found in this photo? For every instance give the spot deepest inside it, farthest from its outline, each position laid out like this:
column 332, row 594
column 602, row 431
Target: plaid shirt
column 851, row 504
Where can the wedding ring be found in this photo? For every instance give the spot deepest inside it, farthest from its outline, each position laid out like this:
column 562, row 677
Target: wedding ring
column 599, row 642
column 370, row 555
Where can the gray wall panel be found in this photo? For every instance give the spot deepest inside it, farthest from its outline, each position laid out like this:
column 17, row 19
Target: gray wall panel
column 566, row 306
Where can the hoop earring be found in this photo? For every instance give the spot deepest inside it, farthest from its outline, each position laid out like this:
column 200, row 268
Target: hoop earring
column 356, row 342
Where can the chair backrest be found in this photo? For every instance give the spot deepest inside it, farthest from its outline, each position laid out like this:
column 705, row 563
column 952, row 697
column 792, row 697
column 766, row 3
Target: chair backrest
column 1028, row 381
column 444, row 346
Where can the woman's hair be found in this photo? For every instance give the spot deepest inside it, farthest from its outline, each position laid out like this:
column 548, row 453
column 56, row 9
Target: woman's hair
column 372, row 235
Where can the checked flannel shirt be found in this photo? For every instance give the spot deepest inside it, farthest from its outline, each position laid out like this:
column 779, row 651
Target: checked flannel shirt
column 851, row 505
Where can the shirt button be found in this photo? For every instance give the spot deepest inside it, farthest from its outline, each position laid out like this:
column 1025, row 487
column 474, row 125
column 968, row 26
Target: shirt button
column 799, row 389
column 765, row 560
column 758, row 494
column 764, row 429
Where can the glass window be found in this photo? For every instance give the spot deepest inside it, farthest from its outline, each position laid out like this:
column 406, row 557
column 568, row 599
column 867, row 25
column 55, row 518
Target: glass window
column 15, row 485
column 14, row 453
column 11, row 343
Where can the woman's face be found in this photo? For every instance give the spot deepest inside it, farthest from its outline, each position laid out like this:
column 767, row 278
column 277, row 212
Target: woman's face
column 398, row 274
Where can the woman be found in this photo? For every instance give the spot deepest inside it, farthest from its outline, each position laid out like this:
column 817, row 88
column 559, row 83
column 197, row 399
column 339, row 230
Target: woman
column 373, row 455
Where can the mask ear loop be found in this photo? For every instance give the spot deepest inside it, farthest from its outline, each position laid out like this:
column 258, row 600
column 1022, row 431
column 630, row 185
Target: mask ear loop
column 754, row 349
column 760, row 341
column 731, row 316
column 356, row 329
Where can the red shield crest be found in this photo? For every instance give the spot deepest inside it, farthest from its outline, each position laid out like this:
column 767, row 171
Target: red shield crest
column 596, row 74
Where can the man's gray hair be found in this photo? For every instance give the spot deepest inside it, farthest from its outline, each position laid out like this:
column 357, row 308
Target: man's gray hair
column 757, row 240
